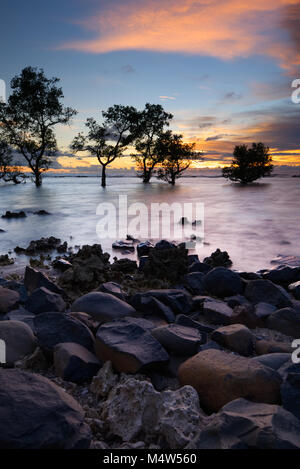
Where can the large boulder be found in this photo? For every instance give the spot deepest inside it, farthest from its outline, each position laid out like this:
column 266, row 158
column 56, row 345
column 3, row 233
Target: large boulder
column 216, row 311
column 37, row 414
column 236, row 337
column 286, row 320
column 179, row 340
column 266, row 291
column 243, row 424
column 290, row 390
column 220, row 377
column 19, row 340
column 295, row 289
column 9, row 300
column 129, row 345
column 57, row 328
column 42, row 300
column 34, row 279
column 223, row 282
column 75, row 363
column 103, row 307
column 134, row 408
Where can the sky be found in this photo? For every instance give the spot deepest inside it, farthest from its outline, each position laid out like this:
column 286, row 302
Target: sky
column 223, row 68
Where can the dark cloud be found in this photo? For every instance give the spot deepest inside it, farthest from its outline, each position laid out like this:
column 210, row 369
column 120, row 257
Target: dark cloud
column 232, row 96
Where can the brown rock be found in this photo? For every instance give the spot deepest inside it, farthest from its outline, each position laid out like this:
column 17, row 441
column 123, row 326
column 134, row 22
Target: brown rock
column 245, row 314
column 8, row 300
column 236, row 337
column 220, row 377
column 262, row 347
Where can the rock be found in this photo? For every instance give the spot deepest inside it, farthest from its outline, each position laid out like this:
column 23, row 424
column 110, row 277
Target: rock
column 267, row 292
column 37, row 414
column 21, row 315
column 43, row 300
column 37, row 361
column 218, row 259
column 179, row 340
column 19, row 340
column 15, row 286
column 285, row 320
column 216, row 311
column 61, row 264
column 58, row 328
column 273, row 360
column 263, row 310
column 103, row 307
column 189, row 322
column 123, row 245
column 129, row 346
column 223, row 282
column 220, row 377
column 134, row 408
column 113, row 288
column 6, row 260
column 242, row 424
column 143, row 249
column 290, row 390
column 74, row 363
column 236, row 300
column 211, row 344
column 177, row 300
column 249, row 275
column 194, row 282
column 41, row 212
column 87, row 320
column 283, row 274
column 245, row 314
column 198, row 267
column 163, row 244
column 295, row 289
column 9, row 300
column 11, row 215
column 152, row 306
column 126, row 266
column 34, row 279
column 236, row 337
column 40, row 245
column 193, row 258
column 167, row 263
column 263, row 347
column 104, row 381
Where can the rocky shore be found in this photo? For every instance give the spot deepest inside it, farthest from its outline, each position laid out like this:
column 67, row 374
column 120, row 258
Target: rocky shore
column 164, row 352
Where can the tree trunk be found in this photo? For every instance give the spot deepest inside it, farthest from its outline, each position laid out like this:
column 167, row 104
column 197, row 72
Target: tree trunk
column 147, row 176
column 37, row 178
column 103, row 177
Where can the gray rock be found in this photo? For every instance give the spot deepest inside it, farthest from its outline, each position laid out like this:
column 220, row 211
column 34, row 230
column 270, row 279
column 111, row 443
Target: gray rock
column 103, row 307
column 42, row 300
column 37, row 414
column 19, row 340
column 285, row 320
column 217, row 311
column 273, row 360
column 75, row 363
column 9, row 300
column 223, row 282
column 57, row 328
column 242, row 424
column 179, row 340
column 104, row 380
column 265, row 291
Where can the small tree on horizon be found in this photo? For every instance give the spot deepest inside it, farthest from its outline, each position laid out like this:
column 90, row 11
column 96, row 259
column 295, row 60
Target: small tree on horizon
column 175, row 155
column 152, row 121
column 9, row 172
column 249, row 163
column 27, row 120
column 108, row 141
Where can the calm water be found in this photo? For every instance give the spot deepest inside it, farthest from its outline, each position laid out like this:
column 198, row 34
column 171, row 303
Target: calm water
column 254, row 224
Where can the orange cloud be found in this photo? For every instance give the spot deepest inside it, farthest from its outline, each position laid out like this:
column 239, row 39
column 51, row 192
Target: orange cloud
column 225, row 28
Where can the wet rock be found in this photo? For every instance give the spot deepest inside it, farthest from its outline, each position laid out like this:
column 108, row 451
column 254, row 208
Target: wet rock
column 245, row 314
column 263, row 347
column 179, row 340
column 194, row 282
column 189, row 322
column 286, row 320
column 43, row 300
column 129, row 345
column 290, row 390
column 37, row 414
column 220, row 377
column 103, row 307
column 61, row 264
column 265, row 291
column 41, row 212
column 236, row 337
column 9, row 215
column 112, row 288
column 218, row 259
column 216, row 311
column 273, row 360
column 73, row 362
column 19, row 340
column 295, row 289
column 143, row 249
column 242, row 424
column 223, row 282
column 34, row 279
column 9, row 300
column 152, row 306
column 104, row 380
column 40, row 245
column 283, row 275
column 58, row 328
column 135, row 408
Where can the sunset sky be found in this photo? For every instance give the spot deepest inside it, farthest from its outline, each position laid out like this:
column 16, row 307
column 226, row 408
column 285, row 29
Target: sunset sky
column 224, row 68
